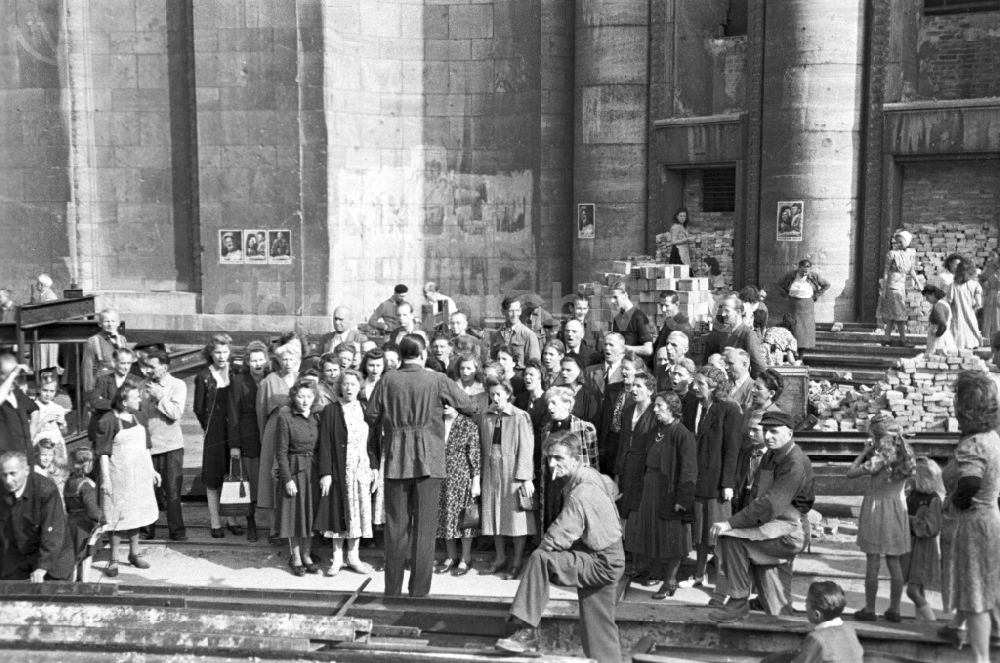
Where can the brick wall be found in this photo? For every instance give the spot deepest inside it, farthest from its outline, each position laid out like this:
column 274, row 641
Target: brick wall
column 950, row 207
column 959, row 56
column 713, row 231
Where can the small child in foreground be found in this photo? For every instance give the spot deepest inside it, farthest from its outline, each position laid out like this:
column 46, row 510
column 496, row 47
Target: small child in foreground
column 831, row 640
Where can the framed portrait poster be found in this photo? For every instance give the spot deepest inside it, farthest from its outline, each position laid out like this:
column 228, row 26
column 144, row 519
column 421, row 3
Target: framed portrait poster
column 790, row 217
column 230, row 247
column 279, row 247
column 586, row 219
column 255, row 246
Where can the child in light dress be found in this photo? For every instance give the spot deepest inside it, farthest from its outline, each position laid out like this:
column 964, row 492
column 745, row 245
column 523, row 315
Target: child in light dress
column 50, row 419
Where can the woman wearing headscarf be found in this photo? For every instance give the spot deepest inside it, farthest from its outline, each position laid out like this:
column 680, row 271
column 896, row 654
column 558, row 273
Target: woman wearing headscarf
column 899, row 266
column 966, row 298
column 803, row 287
column 272, row 395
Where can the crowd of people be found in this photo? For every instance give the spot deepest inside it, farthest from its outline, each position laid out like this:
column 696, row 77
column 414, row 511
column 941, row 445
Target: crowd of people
column 579, row 456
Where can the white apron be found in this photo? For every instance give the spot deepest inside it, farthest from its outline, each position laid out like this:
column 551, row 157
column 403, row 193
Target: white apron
column 133, row 501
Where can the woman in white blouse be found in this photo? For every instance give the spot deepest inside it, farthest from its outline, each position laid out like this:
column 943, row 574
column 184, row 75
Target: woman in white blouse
column 803, row 287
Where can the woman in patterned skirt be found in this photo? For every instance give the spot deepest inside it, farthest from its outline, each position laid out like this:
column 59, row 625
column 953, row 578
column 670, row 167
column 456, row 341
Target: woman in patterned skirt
column 459, row 489
column 347, row 465
column 893, row 310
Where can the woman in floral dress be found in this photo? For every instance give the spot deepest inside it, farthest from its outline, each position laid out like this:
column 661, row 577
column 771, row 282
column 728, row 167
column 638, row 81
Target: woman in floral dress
column 459, row 489
column 348, row 465
column 899, row 267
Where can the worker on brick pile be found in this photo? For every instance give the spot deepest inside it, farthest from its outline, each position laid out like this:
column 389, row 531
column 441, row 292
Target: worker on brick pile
column 582, row 549
column 768, row 531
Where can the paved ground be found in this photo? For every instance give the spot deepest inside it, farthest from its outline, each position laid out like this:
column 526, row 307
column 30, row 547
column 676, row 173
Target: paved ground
column 233, row 562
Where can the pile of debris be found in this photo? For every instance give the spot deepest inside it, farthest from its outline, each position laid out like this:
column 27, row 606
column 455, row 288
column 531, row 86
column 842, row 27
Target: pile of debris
column 715, row 243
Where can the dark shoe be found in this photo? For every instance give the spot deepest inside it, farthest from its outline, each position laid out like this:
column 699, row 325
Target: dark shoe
column 865, row 615
column 956, row 636
column 217, row 532
column 178, row 537
column 494, row 568
column 147, row 533
column 756, row 605
column 111, row 570
column 735, row 611
column 460, row 569
column 892, row 616
column 640, row 578
column 297, row 569
column 523, row 641
column 275, row 540
column 665, row 590
column 138, row 562
column 251, row 532
column 444, row 567
column 311, row 567
column 235, row 530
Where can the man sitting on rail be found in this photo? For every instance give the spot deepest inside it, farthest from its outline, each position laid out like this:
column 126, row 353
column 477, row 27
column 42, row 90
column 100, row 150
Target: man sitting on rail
column 767, row 531
column 582, row 549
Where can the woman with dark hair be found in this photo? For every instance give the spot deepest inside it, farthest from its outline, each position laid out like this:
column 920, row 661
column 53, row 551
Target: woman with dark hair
column 966, row 298
column 243, row 435
column 587, row 404
column 803, row 287
column 296, row 437
column 552, row 355
column 507, row 445
column 679, row 239
column 717, row 282
column 372, row 367
column 946, row 277
column 347, row 464
column 211, row 407
column 766, row 390
column 666, row 506
column 972, row 481
column 637, row 427
column 460, row 488
column 718, row 428
column 939, row 338
column 127, row 475
column 779, row 344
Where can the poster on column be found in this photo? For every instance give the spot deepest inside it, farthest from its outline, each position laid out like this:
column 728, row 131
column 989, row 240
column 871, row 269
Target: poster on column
column 586, row 219
column 255, row 251
column 230, row 247
column 790, row 217
column 279, row 247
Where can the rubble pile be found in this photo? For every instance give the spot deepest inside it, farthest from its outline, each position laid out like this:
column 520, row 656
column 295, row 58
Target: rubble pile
column 718, row 244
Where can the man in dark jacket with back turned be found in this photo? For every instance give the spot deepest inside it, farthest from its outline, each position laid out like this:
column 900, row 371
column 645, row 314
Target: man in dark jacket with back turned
column 34, row 543
column 408, row 404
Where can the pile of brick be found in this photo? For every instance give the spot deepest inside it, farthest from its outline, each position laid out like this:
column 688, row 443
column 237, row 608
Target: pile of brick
column 919, row 393
column 646, row 278
column 842, row 407
column 717, row 243
column 935, row 242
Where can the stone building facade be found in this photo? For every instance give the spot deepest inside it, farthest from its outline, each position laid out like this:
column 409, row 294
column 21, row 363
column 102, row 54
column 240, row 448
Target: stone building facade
column 451, row 140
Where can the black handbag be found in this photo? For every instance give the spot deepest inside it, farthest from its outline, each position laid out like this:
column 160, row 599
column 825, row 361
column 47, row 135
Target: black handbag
column 471, row 518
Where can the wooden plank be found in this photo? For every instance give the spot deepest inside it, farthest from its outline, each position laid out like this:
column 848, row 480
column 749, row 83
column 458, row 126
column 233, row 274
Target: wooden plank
column 100, row 637
column 34, row 315
column 261, row 624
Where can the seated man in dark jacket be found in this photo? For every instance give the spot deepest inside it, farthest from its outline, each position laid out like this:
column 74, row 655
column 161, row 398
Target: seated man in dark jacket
column 768, row 530
column 34, row 543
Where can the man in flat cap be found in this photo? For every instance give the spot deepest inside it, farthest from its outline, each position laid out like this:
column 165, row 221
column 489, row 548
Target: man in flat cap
column 385, row 317
column 767, row 533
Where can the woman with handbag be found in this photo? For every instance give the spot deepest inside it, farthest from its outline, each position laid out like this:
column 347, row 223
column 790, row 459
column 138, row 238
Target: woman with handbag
column 127, row 475
column 458, row 508
column 348, row 461
column 211, row 406
column 507, row 444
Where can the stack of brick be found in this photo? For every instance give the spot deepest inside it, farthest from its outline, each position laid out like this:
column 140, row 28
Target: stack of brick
column 841, row 407
column 919, row 393
column 647, row 278
column 932, row 244
column 717, row 243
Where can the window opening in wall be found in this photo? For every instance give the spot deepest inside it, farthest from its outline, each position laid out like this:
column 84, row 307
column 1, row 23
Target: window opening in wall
column 718, row 190
column 935, row 7
column 736, row 18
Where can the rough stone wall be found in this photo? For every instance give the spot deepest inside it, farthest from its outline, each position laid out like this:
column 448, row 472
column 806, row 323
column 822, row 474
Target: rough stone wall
column 950, row 207
column 701, row 46
column 34, row 147
column 959, row 56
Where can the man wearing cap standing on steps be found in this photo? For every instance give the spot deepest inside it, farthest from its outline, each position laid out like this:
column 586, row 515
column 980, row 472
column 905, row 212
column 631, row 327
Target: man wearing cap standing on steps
column 582, row 548
column 768, row 531
column 385, row 318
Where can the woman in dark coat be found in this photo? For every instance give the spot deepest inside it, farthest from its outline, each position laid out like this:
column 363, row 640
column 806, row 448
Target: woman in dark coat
column 347, row 464
column 718, row 434
column 211, row 406
column 638, row 427
column 244, row 436
column 587, row 400
column 666, row 508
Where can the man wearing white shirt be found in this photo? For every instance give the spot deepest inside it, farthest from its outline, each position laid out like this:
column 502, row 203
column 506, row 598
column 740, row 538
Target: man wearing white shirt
column 164, row 407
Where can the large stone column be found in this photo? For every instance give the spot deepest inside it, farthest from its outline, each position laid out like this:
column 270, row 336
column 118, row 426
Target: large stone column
column 609, row 165
column 811, row 119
